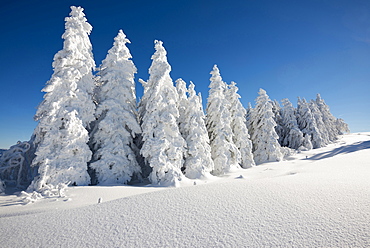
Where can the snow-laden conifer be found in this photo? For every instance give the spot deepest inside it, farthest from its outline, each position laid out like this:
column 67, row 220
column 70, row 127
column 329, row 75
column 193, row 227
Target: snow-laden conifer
column 67, row 109
column 63, row 154
column 329, row 120
column 163, row 145
column 249, row 111
column 276, row 109
column 266, row 147
column 182, row 105
column 342, row 127
column 293, row 136
column 198, row 160
column 239, row 128
column 323, row 129
column 307, row 124
column 225, row 154
column 117, row 126
column 15, row 164
column 307, row 141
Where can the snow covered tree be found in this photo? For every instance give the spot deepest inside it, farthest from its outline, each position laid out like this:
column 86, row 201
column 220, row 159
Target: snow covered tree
column 307, row 124
column 67, row 109
column 293, row 136
column 15, row 164
column 163, row 145
column 266, row 147
column 239, row 128
column 117, row 126
column 182, row 105
column 342, row 127
column 324, row 132
column 329, row 120
column 198, row 160
column 276, row 109
column 249, row 111
column 225, row 154
column 307, row 141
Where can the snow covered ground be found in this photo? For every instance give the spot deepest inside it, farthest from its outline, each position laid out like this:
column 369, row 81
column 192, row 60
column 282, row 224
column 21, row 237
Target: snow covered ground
column 319, row 198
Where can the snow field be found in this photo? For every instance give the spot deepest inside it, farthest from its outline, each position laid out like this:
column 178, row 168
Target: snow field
column 318, row 201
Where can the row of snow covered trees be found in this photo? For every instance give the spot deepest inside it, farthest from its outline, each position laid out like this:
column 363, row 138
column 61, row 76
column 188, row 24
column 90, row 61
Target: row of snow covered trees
column 90, row 129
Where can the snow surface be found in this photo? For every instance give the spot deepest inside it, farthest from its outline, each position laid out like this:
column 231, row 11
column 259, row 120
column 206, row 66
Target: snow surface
column 317, row 198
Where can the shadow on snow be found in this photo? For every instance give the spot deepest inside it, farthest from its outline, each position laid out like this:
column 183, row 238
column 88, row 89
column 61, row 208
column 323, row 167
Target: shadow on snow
column 342, row 150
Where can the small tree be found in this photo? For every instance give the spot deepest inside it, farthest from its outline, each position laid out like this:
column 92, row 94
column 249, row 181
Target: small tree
column 342, row 127
column 15, row 164
column 266, row 147
column 114, row 156
column 163, row 145
column 239, row 128
column 225, row 154
column 61, row 136
column 198, row 161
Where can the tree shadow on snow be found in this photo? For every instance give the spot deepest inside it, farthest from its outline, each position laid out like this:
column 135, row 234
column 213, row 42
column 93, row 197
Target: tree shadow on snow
column 342, row 150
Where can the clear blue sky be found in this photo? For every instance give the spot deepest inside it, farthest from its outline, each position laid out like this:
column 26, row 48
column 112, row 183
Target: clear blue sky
column 289, row 48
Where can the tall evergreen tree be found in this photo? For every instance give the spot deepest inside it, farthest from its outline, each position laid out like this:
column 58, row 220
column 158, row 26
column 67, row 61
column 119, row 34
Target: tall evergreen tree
column 239, row 128
column 293, row 136
column 113, row 137
column 307, row 124
column 266, row 147
column 328, row 119
column 163, row 145
column 67, row 109
column 323, row 129
column 276, row 109
column 225, row 154
column 183, row 106
column 249, row 111
column 198, row 161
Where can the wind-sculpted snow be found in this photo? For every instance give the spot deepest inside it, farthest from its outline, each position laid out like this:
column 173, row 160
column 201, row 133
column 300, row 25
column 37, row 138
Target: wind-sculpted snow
column 297, row 203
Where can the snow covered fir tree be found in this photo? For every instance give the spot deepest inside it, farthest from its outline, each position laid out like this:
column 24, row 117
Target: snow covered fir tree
column 163, row 146
column 64, row 116
column 239, row 128
column 266, row 147
column 112, row 139
column 225, row 153
column 291, row 136
column 198, row 161
column 93, row 130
